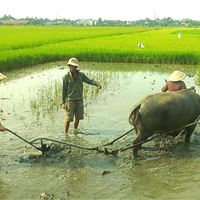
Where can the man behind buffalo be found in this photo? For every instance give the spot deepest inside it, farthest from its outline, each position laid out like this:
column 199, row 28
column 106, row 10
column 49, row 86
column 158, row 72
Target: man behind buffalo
column 175, row 82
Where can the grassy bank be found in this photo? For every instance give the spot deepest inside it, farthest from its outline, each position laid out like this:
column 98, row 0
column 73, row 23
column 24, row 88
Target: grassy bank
column 22, row 46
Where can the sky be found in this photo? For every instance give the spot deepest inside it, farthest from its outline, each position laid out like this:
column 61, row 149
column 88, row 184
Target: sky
column 104, row 9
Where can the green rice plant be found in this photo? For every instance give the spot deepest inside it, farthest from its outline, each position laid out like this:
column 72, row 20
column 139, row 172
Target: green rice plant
column 35, row 45
column 47, row 99
column 20, row 37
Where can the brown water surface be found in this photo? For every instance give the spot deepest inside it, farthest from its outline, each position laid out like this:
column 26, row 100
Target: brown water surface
column 30, row 106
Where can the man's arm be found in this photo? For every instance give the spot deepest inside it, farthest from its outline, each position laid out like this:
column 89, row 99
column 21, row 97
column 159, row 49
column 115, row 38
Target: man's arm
column 90, row 81
column 164, row 88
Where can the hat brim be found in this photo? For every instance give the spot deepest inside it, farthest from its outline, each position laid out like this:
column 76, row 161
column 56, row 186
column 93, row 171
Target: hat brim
column 70, row 63
column 175, row 77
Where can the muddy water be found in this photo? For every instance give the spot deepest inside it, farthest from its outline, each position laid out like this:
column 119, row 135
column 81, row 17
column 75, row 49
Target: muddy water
column 30, row 106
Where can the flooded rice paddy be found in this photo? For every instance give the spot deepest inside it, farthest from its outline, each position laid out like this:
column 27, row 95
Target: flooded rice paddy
column 30, row 106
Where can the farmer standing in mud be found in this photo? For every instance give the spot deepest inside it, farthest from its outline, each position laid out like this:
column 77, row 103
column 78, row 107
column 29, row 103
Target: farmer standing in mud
column 72, row 93
column 175, row 82
column 2, row 128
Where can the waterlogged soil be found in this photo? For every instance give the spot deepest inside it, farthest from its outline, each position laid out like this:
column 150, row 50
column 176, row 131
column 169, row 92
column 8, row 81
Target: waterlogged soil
column 30, row 107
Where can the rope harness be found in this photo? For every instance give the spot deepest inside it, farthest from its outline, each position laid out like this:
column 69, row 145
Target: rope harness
column 44, row 148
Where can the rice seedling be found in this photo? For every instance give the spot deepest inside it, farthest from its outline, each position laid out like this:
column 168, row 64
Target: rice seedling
column 47, row 99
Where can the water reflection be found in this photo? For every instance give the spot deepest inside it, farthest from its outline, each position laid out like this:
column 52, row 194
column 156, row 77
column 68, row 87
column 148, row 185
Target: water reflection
column 40, row 93
column 32, row 102
column 30, row 105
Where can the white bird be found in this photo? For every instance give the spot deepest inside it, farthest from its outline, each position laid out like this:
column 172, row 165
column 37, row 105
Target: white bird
column 140, row 45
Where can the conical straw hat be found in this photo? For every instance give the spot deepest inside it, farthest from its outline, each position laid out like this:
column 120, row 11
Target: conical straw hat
column 2, row 76
column 177, row 76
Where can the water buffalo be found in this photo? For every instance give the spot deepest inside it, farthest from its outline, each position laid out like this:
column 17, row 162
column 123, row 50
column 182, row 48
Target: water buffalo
column 163, row 112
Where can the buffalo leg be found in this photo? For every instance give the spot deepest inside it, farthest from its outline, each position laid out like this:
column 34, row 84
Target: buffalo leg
column 137, row 143
column 189, row 132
